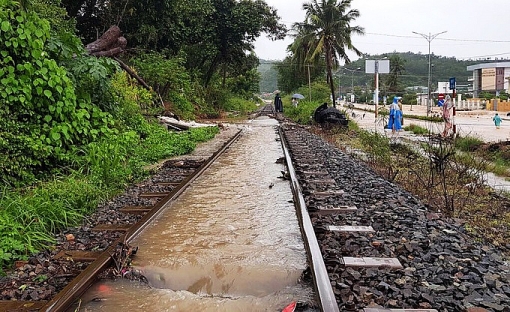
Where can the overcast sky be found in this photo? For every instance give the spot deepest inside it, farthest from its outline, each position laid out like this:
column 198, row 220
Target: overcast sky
column 474, row 28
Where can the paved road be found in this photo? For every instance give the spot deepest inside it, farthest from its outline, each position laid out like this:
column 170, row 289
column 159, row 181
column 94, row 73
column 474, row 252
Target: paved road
column 469, row 123
column 473, row 123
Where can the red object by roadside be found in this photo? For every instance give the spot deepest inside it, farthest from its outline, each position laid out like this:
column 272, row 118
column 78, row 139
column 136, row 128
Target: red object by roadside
column 291, row 307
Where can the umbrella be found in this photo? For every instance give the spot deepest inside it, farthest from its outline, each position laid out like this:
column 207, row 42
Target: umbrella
column 298, row 96
column 276, row 91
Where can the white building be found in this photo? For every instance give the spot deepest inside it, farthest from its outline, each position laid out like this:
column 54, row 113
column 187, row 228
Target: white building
column 492, row 77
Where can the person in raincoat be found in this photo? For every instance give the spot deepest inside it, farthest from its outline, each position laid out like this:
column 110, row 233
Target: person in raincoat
column 278, row 104
column 497, row 120
column 395, row 118
column 447, row 116
column 401, row 111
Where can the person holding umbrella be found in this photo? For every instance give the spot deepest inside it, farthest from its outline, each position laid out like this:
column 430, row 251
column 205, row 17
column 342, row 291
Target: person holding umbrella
column 295, row 99
column 295, row 102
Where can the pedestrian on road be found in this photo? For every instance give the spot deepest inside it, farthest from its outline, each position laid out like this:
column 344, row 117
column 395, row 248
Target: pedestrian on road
column 497, row 120
column 394, row 121
column 401, row 110
column 447, row 116
column 278, row 104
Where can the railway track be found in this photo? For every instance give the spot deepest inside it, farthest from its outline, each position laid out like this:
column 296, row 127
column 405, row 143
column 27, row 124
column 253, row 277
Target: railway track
column 181, row 173
column 361, row 244
column 383, row 250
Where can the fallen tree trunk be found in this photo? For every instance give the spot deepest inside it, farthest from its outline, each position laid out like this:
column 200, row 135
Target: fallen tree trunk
column 110, row 40
column 111, row 44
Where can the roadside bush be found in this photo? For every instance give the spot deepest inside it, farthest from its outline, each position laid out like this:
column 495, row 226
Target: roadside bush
column 468, row 144
column 30, row 217
column 416, row 129
column 377, row 146
column 130, row 99
column 303, row 113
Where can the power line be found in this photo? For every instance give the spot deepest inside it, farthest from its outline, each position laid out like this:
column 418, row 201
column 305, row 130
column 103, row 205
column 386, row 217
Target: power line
column 444, row 39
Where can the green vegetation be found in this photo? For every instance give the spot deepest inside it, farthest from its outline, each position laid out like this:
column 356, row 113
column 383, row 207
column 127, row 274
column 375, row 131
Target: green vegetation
column 30, row 215
column 76, row 130
column 325, row 36
column 416, row 129
column 468, row 144
column 446, row 180
column 409, row 76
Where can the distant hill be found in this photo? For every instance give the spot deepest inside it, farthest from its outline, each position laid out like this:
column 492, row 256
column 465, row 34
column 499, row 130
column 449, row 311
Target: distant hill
column 416, row 71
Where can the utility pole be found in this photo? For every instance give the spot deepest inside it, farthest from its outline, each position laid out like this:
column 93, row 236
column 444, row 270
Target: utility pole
column 429, row 38
column 310, row 84
column 352, row 77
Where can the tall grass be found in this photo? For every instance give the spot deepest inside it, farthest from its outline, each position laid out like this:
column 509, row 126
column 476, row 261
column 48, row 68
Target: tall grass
column 30, row 217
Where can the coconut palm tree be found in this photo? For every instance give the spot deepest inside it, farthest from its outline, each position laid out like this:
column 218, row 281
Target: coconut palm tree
column 326, row 33
column 397, row 68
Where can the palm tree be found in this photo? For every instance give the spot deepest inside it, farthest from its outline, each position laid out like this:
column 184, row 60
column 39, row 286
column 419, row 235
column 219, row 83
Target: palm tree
column 326, row 33
column 397, row 68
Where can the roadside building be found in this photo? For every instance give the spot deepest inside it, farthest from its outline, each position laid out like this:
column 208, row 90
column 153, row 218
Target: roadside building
column 491, row 77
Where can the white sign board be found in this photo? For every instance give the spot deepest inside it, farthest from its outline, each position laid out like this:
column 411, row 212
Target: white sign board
column 377, row 66
column 443, row 87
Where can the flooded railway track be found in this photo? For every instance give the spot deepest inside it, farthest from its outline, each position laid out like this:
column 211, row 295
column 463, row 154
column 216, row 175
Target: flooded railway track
column 87, row 265
column 369, row 246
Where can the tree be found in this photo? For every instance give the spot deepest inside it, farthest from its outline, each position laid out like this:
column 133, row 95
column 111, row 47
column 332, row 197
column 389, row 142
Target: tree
column 215, row 35
column 397, row 68
column 326, row 33
column 232, row 29
column 293, row 74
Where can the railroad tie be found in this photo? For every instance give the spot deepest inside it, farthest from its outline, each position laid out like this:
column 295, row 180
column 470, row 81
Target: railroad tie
column 335, row 210
column 350, row 228
column 22, row 306
column 365, row 262
column 154, row 194
column 173, row 183
column 327, row 193
column 136, row 210
column 78, row 255
column 372, row 262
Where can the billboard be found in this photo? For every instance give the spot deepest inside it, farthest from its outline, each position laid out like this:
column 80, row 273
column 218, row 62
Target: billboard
column 379, row 66
column 488, row 78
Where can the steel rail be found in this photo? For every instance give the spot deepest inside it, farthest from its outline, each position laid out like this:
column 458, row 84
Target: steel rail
column 320, row 275
column 79, row 285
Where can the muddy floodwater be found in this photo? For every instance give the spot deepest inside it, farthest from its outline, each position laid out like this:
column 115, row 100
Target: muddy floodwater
column 230, row 242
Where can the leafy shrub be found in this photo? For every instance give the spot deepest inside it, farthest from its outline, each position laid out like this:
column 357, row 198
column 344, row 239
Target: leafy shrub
column 129, row 99
column 318, row 91
column 170, row 79
column 40, row 116
column 203, row 134
column 239, row 105
column 416, row 129
column 377, row 146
